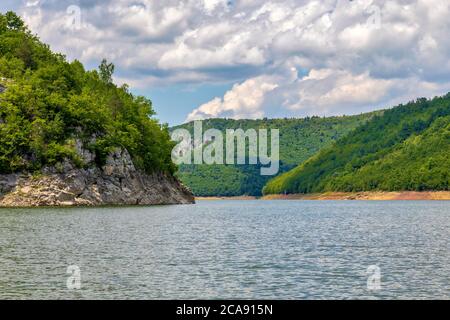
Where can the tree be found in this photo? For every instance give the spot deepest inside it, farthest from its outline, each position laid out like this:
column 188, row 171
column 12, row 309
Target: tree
column 106, row 71
column 14, row 22
column 3, row 24
column 25, row 53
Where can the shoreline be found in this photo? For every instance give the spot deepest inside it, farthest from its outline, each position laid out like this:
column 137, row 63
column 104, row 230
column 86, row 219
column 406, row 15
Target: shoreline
column 226, row 198
column 367, row 195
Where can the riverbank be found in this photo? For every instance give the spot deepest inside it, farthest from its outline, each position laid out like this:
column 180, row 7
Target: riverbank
column 372, row 195
column 226, row 198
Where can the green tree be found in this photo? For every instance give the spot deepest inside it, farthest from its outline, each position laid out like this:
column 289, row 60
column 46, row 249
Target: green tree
column 14, row 22
column 106, row 71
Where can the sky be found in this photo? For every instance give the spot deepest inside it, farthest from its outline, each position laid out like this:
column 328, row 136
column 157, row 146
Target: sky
column 198, row 59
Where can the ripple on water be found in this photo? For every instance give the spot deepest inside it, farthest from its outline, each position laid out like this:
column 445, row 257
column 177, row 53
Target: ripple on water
column 229, row 249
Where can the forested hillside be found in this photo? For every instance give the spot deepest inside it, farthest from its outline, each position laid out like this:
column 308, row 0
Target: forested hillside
column 405, row 148
column 299, row 140
column 48, row 105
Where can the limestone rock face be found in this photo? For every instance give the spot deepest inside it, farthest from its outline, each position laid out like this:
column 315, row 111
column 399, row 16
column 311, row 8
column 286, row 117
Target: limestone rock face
column 118, row 182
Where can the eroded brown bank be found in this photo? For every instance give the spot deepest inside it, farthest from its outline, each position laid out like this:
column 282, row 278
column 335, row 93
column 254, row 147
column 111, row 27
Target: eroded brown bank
column 373, row 195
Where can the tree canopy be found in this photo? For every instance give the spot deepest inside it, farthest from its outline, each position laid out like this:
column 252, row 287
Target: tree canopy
column 49, row 103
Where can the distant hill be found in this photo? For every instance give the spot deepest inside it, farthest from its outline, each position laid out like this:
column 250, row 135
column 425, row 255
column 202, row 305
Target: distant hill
column 406, row 148
column 299, row 140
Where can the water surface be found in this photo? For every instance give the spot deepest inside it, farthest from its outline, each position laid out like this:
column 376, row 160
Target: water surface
column 229, row 249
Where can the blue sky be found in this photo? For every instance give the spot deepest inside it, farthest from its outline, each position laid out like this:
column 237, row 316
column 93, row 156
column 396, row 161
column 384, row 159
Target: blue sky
column 173, row 103
column 198, row 59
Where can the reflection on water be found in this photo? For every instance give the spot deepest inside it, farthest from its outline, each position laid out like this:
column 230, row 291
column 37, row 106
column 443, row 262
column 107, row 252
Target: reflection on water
column 228, row 249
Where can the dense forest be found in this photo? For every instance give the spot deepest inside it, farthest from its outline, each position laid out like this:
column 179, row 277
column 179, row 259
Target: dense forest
column 405, row 148
column 47, row 103
column 299, row 140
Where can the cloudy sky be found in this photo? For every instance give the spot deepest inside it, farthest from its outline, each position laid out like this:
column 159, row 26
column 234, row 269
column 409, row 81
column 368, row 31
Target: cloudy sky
column 252, row 58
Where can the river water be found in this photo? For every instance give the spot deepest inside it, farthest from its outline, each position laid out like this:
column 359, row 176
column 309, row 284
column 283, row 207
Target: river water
column 229, row 249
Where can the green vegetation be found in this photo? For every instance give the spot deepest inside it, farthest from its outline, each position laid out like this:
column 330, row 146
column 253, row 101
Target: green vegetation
column 405, row 149
column 299, row 140
column 50, row 103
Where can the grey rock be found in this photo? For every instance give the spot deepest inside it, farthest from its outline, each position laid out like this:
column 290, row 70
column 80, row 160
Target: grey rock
column 86, row 155
column 117, row 183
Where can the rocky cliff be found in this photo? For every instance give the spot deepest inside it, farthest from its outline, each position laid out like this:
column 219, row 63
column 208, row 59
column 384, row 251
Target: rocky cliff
column 118, row 182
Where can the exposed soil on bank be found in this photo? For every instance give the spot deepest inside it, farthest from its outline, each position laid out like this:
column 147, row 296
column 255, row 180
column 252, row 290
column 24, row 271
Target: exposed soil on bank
column 376, row 195
column 225, row 198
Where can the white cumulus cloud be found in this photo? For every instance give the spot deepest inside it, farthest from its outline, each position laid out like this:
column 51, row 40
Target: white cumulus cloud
column 284, row 57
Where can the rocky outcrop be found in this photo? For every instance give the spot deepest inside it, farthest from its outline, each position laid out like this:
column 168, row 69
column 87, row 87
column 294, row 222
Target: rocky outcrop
column 118, row 182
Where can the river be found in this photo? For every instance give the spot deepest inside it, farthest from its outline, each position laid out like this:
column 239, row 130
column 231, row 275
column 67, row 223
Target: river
column 229, row 249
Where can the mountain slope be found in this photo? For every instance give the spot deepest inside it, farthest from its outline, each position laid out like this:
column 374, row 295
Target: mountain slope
column 299, row 140
column 48, row 102
column 59, row 119
column 405, row 148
